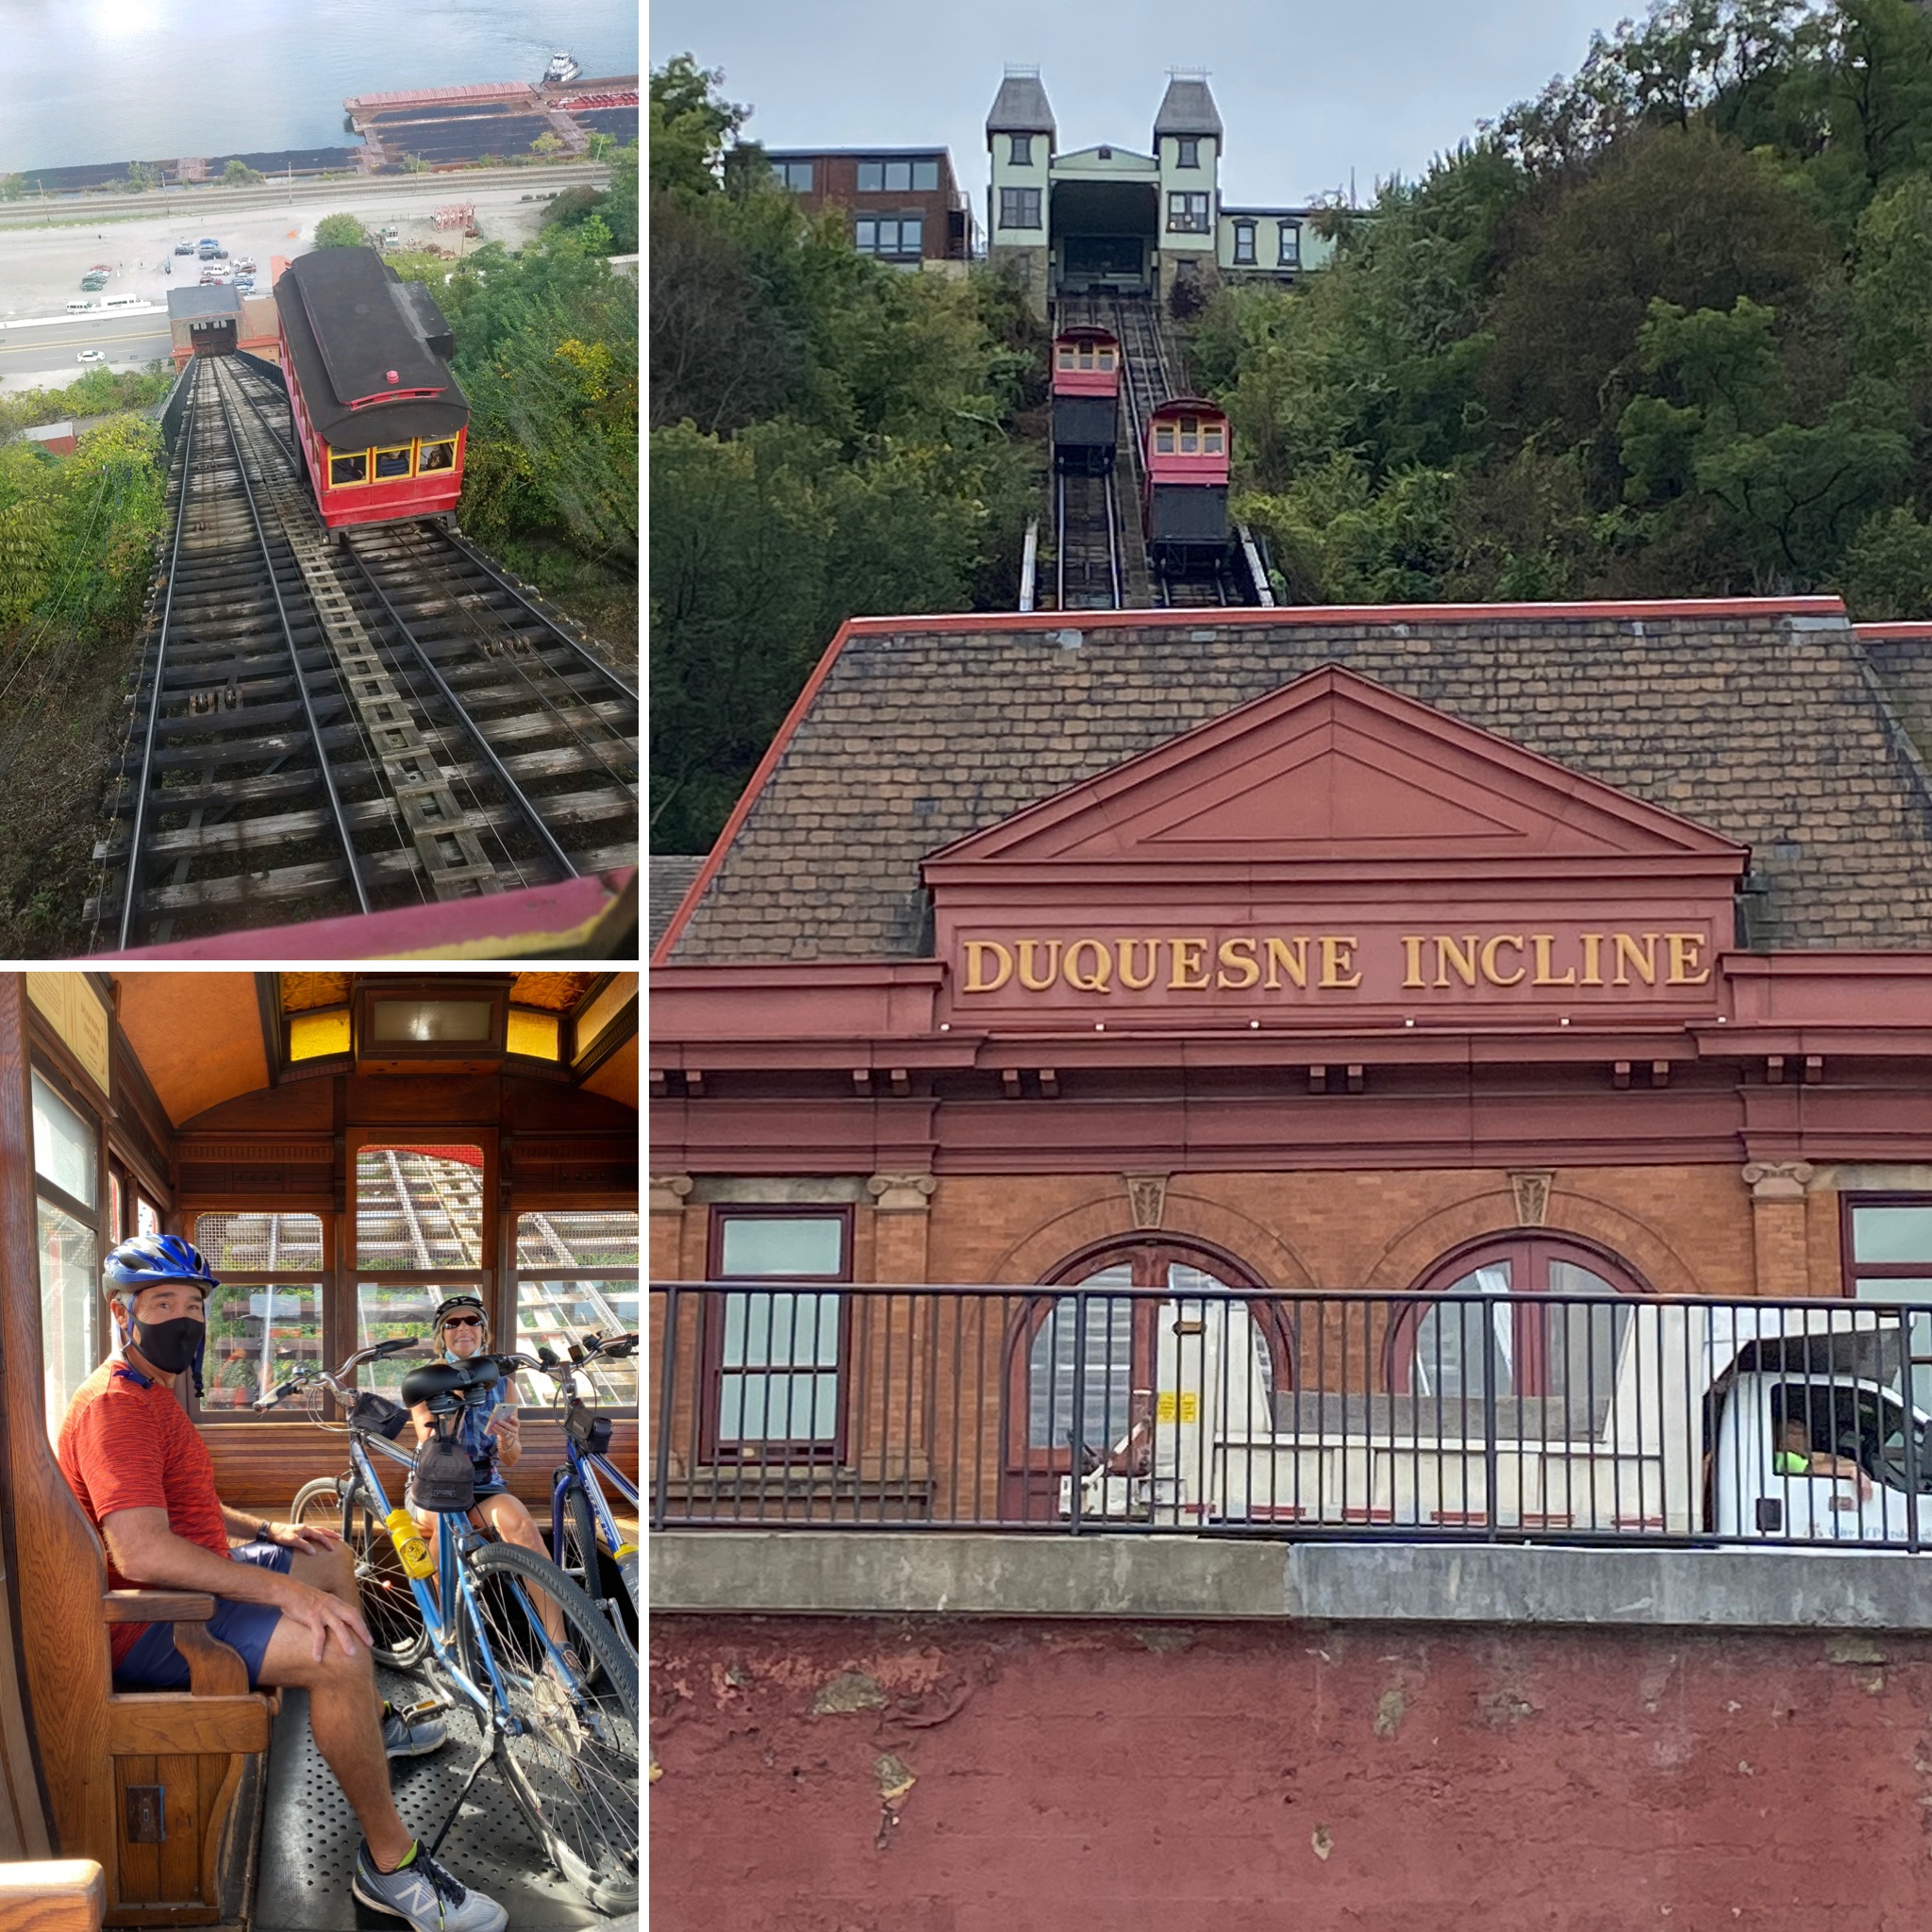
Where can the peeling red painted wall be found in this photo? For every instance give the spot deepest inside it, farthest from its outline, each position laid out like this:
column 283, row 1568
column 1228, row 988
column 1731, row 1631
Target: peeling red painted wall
column 874, row 1776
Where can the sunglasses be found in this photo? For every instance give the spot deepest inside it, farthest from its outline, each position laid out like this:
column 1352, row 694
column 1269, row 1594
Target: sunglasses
column 462, row 1322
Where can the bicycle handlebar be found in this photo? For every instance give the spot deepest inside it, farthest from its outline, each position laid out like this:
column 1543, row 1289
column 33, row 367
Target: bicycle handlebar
column 332, row 1379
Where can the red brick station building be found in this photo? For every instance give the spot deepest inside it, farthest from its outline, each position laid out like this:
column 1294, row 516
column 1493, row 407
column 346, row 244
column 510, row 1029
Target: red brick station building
column 1337, row 950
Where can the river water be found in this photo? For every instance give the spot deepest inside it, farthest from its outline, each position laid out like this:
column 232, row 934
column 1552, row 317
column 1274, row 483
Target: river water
column 109, row 80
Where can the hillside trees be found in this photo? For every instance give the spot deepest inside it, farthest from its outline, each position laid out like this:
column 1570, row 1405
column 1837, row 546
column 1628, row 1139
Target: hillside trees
column 828, row 437
column 1662, row 332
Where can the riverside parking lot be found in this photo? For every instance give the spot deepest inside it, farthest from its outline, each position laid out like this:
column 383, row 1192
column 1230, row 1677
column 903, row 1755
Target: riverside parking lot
column 41, row 267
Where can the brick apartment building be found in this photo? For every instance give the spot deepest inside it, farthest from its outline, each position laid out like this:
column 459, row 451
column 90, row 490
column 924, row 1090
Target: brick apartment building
column 906, row 207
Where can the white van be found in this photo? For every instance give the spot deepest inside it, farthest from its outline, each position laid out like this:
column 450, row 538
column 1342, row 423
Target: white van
column 81, row 307
column 125, row 302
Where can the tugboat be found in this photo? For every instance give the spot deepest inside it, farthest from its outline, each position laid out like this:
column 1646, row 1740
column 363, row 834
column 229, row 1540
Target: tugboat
column 562, row 69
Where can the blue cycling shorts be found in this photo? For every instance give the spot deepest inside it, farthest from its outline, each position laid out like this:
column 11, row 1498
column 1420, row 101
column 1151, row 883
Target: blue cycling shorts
column 155, row 1664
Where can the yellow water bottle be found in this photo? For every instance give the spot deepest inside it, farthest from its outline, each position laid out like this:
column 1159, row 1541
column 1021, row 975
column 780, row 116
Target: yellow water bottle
column 411, row 1547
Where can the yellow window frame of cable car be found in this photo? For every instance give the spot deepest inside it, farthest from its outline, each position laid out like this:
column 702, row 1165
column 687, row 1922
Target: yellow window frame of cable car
column 406, row 451
column 1163, row 438
column 1104, row 358
column 1210, row 439
column 423, row 449
column 1066, row 358
column 1190, row 435
column 359, row 457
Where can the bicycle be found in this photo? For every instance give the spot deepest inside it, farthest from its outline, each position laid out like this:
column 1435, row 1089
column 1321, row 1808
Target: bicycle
column 584, row 1536
column 562, row 1733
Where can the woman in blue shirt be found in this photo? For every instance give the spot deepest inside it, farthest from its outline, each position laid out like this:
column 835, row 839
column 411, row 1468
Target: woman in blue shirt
column 494, row 1439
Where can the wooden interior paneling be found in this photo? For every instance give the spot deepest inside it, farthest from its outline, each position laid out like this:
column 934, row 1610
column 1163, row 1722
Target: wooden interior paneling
column 52, row 1895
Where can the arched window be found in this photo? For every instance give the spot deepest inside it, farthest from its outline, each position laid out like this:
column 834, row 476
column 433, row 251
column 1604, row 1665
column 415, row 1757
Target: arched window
column 1484, row 1335
column 1082, row 1368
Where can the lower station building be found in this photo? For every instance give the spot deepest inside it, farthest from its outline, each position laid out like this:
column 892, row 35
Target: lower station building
column 1320, row 950
column 1054, row 994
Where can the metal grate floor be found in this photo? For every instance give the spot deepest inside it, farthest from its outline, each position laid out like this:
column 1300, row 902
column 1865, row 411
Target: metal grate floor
column 309, row 1834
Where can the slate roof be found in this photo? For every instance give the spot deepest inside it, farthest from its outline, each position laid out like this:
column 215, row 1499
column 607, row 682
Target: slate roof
column 1187, row 107
column 1020, row 107
column 1777, row 730
column 197, row 304
column 671, row 876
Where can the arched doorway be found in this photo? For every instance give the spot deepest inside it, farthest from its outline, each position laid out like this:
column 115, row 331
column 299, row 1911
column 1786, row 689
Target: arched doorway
column 1080, row 1380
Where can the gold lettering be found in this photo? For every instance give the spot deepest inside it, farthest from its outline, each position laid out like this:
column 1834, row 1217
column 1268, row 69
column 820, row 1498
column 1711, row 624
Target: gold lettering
column 1128, row 977
column 1686, row 949
column 1545, row 971
column 1491, row 948
column 1097, row 977
column 1053, row 965
column 1338, row 961
column 1449, row 953
column 1187, row 966
column 1238, row 954
column 975, row 959
column 1628, row 955
column 1292, row 957
column 1593, row 962
column 1413, row 956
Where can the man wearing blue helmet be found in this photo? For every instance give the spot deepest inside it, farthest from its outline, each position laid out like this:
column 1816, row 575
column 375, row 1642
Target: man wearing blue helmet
column 285, row 1600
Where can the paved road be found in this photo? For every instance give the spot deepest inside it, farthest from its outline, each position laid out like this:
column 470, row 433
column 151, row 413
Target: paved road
column 379, row 192
column 49, row 357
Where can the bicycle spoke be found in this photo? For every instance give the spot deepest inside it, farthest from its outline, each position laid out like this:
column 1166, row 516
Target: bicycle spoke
column 573, row 1756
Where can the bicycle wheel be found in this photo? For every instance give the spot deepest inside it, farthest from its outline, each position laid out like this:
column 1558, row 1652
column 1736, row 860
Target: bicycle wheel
column 587, row 1563
column 573, row 1763
column 319, row 1504
column 389, row 1608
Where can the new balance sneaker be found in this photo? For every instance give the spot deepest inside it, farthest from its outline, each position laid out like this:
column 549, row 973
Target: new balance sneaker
column 413, row 1731
column 419, row 1890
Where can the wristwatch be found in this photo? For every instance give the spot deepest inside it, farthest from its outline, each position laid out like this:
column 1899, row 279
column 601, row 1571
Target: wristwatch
column 265, row 1532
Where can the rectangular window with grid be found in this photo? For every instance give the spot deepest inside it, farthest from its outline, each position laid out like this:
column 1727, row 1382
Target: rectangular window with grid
column 1019, row 207
column 1020, row 155
column 419, row 1208
column 1244, row 244
column 267, row 1314
column 577, row 1274
column 1186, row 213
column 776, row 1352
column 1887, row 1247
column 795, row 175
column 1290, row 244
column 1187, row 151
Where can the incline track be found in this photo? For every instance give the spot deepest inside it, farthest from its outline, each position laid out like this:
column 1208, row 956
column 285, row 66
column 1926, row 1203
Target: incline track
column 321, row 729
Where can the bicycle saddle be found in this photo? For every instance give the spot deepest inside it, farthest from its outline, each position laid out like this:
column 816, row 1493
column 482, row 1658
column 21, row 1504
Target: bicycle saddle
column 434, row 1382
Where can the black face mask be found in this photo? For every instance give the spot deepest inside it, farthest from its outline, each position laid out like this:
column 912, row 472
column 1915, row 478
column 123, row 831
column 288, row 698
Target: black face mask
column 171, row 1346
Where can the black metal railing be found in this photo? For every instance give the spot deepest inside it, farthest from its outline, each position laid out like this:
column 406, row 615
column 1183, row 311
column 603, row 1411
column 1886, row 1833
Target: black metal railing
column 1494, row 1417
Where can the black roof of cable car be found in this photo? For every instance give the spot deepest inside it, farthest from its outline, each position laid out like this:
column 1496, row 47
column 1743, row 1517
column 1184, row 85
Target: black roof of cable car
column 350, row 320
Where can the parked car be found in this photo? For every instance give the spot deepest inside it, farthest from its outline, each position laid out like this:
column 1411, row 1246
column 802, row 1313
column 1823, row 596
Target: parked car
column 246, row 264
column 221, row 255
column 184, row 248
column 93, row 281
column 90, row 355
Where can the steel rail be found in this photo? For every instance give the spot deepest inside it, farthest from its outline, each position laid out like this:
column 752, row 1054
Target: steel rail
column 462, row 545
column 154, row 708
column 516, row 793
column 322, row 757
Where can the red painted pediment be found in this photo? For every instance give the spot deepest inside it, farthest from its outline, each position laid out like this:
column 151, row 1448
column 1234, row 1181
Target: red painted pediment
column 1334, row 770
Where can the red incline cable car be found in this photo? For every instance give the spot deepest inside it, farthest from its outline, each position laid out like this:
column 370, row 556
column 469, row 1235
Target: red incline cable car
column 380, row 420
column 1185, row 515
column 1085, row 399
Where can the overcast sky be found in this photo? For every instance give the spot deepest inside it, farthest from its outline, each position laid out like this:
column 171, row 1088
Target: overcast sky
column 1309, row 89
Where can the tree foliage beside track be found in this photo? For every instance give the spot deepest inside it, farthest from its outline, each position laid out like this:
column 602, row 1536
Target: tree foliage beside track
column 1662, row 332
column 829, row 437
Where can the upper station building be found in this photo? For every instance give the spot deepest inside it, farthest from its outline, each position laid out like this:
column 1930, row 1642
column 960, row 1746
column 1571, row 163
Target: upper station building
column 1115, row 218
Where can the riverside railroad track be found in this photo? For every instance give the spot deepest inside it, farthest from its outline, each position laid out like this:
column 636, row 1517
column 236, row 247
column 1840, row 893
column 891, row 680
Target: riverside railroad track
column 323, row 728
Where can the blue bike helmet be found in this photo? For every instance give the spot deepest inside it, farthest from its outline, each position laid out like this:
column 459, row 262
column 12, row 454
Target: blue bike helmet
column 150, row 1259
